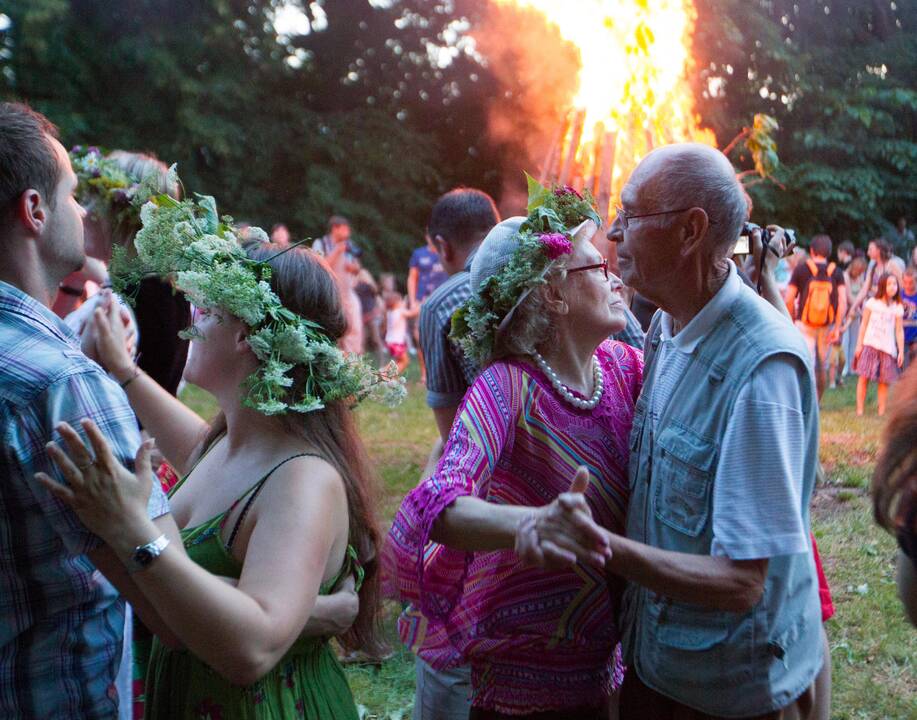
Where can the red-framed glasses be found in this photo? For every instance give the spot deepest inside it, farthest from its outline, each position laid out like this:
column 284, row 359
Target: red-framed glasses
column 596, row 266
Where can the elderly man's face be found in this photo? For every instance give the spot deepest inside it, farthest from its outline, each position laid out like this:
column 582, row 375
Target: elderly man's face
column 648, row 250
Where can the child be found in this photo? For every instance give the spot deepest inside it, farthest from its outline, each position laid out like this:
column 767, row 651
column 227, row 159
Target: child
column 880, row 345
column 396, row 327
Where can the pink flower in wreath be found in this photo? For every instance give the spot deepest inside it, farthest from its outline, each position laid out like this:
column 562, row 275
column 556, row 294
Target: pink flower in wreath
column 555, row 244
column 567, row 190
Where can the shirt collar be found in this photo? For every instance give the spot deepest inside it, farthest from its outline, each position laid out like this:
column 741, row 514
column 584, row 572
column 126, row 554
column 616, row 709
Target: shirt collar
column 702, row 323
column 470, row 258
column 13, row 300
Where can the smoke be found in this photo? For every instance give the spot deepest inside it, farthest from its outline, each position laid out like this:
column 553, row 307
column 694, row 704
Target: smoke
column 536, row 70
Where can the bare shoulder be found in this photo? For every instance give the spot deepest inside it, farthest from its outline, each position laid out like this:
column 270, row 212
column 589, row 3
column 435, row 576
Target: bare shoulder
column 304, row 479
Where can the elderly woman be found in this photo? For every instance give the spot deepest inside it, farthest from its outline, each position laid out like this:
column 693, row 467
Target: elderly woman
column 555, row 395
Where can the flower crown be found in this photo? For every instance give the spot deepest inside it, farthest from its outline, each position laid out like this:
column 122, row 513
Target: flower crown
column 543, row 238
column 102, row 180
column 188, row 243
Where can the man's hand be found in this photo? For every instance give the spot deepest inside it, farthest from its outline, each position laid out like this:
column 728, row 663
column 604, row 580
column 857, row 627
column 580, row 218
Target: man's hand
column 778, row 247
column 563, row 533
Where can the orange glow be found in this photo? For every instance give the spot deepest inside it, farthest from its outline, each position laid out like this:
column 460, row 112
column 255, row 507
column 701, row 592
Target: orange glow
column 633, row 91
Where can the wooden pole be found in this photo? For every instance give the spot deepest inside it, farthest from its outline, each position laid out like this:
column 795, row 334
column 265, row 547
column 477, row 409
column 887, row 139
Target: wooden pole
column 575, row 136
column 549, row 168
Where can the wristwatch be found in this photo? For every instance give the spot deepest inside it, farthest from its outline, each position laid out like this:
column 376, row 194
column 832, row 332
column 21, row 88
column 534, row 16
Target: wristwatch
column 144, row 555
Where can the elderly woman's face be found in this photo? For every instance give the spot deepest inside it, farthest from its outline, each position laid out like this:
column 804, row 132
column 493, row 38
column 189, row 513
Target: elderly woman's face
column 594, row 302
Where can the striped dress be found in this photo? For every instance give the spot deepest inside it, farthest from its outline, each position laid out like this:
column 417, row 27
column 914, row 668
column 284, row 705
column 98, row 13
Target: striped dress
column 536, row 640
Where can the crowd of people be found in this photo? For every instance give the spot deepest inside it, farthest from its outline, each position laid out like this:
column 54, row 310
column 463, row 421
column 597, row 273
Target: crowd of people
column 613, row 523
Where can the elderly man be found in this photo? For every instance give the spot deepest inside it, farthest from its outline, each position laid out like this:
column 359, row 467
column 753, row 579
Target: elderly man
column 721, row 616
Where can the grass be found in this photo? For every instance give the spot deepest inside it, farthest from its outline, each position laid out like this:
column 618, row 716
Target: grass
column 873, row 648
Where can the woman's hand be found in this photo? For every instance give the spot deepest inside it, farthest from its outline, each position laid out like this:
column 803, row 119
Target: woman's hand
column 901, row 358
column 334, row 614
column 558, row 535
column 110, row 500
column 113, row 344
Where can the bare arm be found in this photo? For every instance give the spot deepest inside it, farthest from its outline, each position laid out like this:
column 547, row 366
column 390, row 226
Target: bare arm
column 864, row 323
column 413, row 277
column 277, row 589
column 899, row 339
column 108, row 563
column 790, row 306
column 864, row 291
column 471, row 523
column 444, row 419
column 712, row 582
column 176, row 427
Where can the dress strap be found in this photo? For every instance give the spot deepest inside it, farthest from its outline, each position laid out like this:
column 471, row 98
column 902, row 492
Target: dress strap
column 253, row 493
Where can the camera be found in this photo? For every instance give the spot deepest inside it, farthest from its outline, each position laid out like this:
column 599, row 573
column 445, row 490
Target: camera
column 743, row 246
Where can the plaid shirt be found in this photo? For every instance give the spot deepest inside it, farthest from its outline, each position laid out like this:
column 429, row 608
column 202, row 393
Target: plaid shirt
column 61, row 622
column 449, row 372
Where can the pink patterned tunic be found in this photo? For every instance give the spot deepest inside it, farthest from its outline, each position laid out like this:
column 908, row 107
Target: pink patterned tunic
column 536, row 640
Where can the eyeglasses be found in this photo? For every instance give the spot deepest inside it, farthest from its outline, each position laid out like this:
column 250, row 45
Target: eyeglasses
column 625, row 218
column 603, row 265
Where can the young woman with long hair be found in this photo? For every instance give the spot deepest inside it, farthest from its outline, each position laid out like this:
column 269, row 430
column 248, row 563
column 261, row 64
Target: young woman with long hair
column 274, row 510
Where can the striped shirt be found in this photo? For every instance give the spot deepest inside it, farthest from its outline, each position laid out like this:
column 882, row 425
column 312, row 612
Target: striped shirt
column 61, row 622
column 449, row 372
column 536, row 640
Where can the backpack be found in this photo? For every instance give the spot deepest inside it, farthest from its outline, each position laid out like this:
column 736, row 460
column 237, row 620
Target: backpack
column 818, row 310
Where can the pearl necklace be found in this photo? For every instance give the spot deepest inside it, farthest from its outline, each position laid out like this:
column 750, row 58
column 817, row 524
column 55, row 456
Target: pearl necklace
column 598, row 383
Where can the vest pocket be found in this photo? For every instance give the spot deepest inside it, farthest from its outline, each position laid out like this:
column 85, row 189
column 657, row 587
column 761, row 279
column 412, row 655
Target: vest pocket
column 683, row 476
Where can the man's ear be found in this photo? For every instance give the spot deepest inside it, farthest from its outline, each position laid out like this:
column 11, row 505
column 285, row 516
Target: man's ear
column 694, row 231
column 31, row 211
column 444, row 248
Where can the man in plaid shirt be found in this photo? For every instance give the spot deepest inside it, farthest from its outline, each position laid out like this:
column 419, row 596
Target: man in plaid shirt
column 61, row 621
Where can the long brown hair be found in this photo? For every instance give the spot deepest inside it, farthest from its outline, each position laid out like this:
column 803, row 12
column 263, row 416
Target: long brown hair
column 882, row 289
column 306, row 285
column 894, row 481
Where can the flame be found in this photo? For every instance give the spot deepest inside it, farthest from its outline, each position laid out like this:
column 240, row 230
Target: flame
column 633, row 91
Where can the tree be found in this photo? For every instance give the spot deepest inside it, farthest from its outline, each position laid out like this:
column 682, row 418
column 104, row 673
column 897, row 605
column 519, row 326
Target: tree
column 839, row 77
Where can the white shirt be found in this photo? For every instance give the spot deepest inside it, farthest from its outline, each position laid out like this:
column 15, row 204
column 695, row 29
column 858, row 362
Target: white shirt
column 757, row 491
column 396, row 327
column 880, row 332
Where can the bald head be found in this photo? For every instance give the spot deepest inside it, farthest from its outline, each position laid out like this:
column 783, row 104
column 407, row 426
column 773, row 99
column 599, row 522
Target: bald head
column 696, row 175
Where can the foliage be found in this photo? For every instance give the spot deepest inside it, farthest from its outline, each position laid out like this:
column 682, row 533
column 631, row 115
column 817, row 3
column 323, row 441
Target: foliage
column 189, row 244
column 545, row 236
column 361, row 116
column 839, row 79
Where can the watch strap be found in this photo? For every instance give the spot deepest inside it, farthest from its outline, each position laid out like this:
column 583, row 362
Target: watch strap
column 144, row 555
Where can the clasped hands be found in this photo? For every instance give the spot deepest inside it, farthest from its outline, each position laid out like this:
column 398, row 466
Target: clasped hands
column 558, row 535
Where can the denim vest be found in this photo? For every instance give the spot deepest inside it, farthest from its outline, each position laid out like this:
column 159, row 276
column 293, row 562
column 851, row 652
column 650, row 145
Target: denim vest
column 720, row 662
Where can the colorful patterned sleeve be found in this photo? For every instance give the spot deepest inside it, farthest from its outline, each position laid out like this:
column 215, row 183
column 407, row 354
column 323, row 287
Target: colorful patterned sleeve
column 425, row 573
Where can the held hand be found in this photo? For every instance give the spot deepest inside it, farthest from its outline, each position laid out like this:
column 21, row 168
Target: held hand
column 108, row 498
column 562, row 533
column 343, row 608
column 113, row 343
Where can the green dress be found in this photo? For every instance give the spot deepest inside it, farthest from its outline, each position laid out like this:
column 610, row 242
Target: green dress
column 307, row 682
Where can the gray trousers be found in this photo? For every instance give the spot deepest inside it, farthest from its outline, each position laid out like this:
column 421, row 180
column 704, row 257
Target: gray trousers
column 441, row 694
